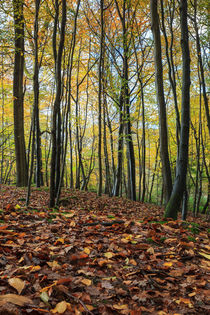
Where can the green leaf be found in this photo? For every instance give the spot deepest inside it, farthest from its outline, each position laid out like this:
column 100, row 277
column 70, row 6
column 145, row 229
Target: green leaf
column 44, row 297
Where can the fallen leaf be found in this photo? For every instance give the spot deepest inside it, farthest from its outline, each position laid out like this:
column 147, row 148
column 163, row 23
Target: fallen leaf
column 69, row 215
column 90, row 307
column 120, row 307
column 107, row 285
column 86, row 282
column 3, row 227
column 207, row 256
column 59, row 241
column 17, row 283
column 185, row 301
column 108, row 255
column 168, row 264
column 44, row 297
column 60, row 307
column 54, row 265
column 15, row 299
column 151, row 250
column 86, row 250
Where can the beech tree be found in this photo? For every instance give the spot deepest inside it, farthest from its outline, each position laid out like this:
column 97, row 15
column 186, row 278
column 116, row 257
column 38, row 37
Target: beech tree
column 56, row 127
column 18, row 95
column 181, row 171
column 166, row 170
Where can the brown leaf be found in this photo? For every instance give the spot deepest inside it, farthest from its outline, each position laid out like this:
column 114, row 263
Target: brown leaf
column 17, row 283
column 60, row 307
column 86, row 282
column 15, row 299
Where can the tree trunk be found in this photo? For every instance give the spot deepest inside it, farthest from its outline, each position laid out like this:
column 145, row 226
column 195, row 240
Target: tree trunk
column 129, row 140
column 118, row 177
column 166, row 170
column 18, row 95
column 205, row 96
column 100, row 87
column 39, row 175
column 182, row 163
column 56, row 128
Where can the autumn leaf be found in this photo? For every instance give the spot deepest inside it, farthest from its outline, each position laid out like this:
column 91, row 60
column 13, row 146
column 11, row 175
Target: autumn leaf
column 86, row 282
column 120, row 306
column 54, row 265
column 151, row 250
column 59, row 241
column 109, row 255
column 207, row 256
column 87, row 250
column 9, row 207
column 69, row 215
column 75, row 257
column 185, row 301
column 168, row 264
column 17, row 283
column 60, row 308
column 64, row 280
column 15, row 299
column 3, row 227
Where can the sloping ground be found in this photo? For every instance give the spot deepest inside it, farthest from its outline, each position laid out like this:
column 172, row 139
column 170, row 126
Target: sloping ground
column 99, row 256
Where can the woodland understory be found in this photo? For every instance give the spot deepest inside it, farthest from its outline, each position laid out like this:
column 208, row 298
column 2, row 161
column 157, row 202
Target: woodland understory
column 99, row 255
column 104, row 157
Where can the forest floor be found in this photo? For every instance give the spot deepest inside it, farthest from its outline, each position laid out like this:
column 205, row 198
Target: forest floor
column 99, row 255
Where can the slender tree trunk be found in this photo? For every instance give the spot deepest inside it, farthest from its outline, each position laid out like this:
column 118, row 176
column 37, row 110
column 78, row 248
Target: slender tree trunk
column 18, row 95
column 182, row 163
column 56, row 131
column 203, row 83
column 100, row 87
column 79, row 149
column 39, row 175
column 166, row 170
column 154, row 172
column 33, row 131
column 111, row 146
column 143, row 144
column 171, row 72
column 69, row 94
column 129, row 140
column 118, row 177
column 107, row 189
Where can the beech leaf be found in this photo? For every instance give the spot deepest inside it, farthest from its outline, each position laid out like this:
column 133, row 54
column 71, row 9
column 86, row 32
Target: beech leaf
column 86, row 282
column 15, row 299
column 60, row 307
column 17, row 283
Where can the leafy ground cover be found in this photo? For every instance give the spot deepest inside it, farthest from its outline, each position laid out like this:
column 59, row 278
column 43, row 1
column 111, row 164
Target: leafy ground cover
column 99, row 255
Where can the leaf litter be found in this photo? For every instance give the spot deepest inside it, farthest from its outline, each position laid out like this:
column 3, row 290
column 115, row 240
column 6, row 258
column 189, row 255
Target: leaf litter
column 99, row 255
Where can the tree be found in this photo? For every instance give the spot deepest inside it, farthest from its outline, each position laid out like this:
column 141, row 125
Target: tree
column 39, row 177
column 18, row 95
column 100, row 91
column 182, row 163
column 56, row 128
column 201, row 68
column 166, row 170
column 126, row 98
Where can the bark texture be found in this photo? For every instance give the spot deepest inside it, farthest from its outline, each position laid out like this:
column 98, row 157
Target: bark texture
column 182, row 163
column 166, row 170
column 18, row 95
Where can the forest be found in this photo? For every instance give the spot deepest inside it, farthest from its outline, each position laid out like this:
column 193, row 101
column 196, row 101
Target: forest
column 104, row 128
